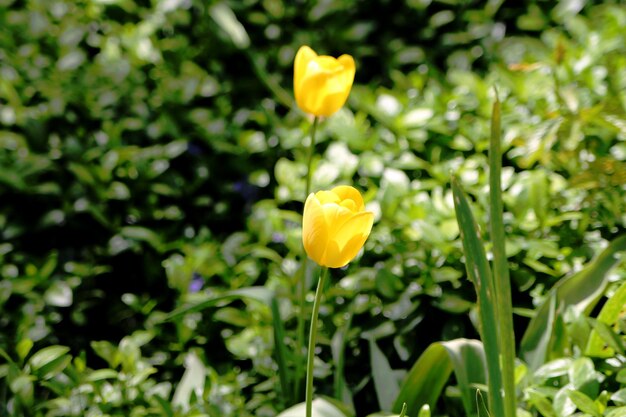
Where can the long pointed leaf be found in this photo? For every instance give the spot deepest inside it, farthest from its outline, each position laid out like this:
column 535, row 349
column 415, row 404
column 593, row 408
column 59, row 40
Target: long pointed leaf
column 426, row 379
column 385, row 380
column 480, row 273
column 502, row 285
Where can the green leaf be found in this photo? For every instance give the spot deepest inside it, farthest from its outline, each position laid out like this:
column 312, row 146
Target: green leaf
column 501, row 279
column 223, row 15
column 608, row 316
column 143, row 234
column 581, row 290
column 107, row 351
column 538, row 400
column 425, row 381
column 385, row 381
column 619, row 396
column 611, row 340
column 82, row 173
column 424, row 411
column 584, row 403
column 47, row 355
column 59, row 294
column 102, row 374
column 479, row 272
column 468, row 361
column 616, row 412
column 563, row 405
column 193, row 381
column 23, row 348
column 22, row 386
column 50, row 361
column 581, row 372
column 554, row 368
column 402, row 413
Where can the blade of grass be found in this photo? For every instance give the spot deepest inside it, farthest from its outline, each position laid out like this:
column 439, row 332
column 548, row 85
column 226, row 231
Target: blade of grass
column 480, row 273
column 502, row 285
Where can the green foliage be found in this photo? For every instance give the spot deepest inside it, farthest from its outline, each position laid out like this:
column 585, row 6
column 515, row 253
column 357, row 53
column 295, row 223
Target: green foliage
column 580, row 291
column 152, row 176
column 431, row 372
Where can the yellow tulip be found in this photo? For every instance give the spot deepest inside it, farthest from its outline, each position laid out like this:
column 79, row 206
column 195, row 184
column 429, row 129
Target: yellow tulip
column 335, row 226
column 322, row 83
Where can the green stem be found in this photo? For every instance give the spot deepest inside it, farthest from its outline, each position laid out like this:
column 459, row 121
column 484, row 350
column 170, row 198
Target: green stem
column 502, row 285
column 312, row 339
column 301, row 277
column 301, row 285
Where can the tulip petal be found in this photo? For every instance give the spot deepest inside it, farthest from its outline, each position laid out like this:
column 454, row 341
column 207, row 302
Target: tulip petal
column 314, row 229
column 359, row 224
column 334, row 258
column 325, row 197
column 313, row 90
column 348, row 63
column 322, row 83
column 303, row 57
column 331, row 103
column 336, row 216
column 345, row 192
column 348, row 240
column 338, row 87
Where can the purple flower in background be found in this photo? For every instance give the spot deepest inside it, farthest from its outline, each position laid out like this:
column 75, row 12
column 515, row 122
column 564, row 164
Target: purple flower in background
column 196, row 283
column 278, row 237
column 248, row 191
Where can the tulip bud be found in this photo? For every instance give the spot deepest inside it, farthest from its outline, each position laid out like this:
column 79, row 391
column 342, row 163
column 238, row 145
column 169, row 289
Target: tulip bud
column 335, row 226
column 321, row 83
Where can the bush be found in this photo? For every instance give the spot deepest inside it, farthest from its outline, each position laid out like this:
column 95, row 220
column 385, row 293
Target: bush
column 152, row 168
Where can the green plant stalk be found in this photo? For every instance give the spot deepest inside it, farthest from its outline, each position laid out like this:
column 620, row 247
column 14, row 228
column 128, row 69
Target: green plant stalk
column 479, row 272
column 312, row 341
column 502, row 284
column 301, row 276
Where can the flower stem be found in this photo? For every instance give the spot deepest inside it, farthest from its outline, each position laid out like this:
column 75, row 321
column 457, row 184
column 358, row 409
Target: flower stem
column 301, row 277
column 312, row 339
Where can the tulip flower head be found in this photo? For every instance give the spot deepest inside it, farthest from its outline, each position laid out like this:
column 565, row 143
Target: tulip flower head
column 335, row 226
column 322, row 83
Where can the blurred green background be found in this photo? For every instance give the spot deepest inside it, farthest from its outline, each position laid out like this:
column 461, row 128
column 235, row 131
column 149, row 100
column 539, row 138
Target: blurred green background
column 152, row 158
